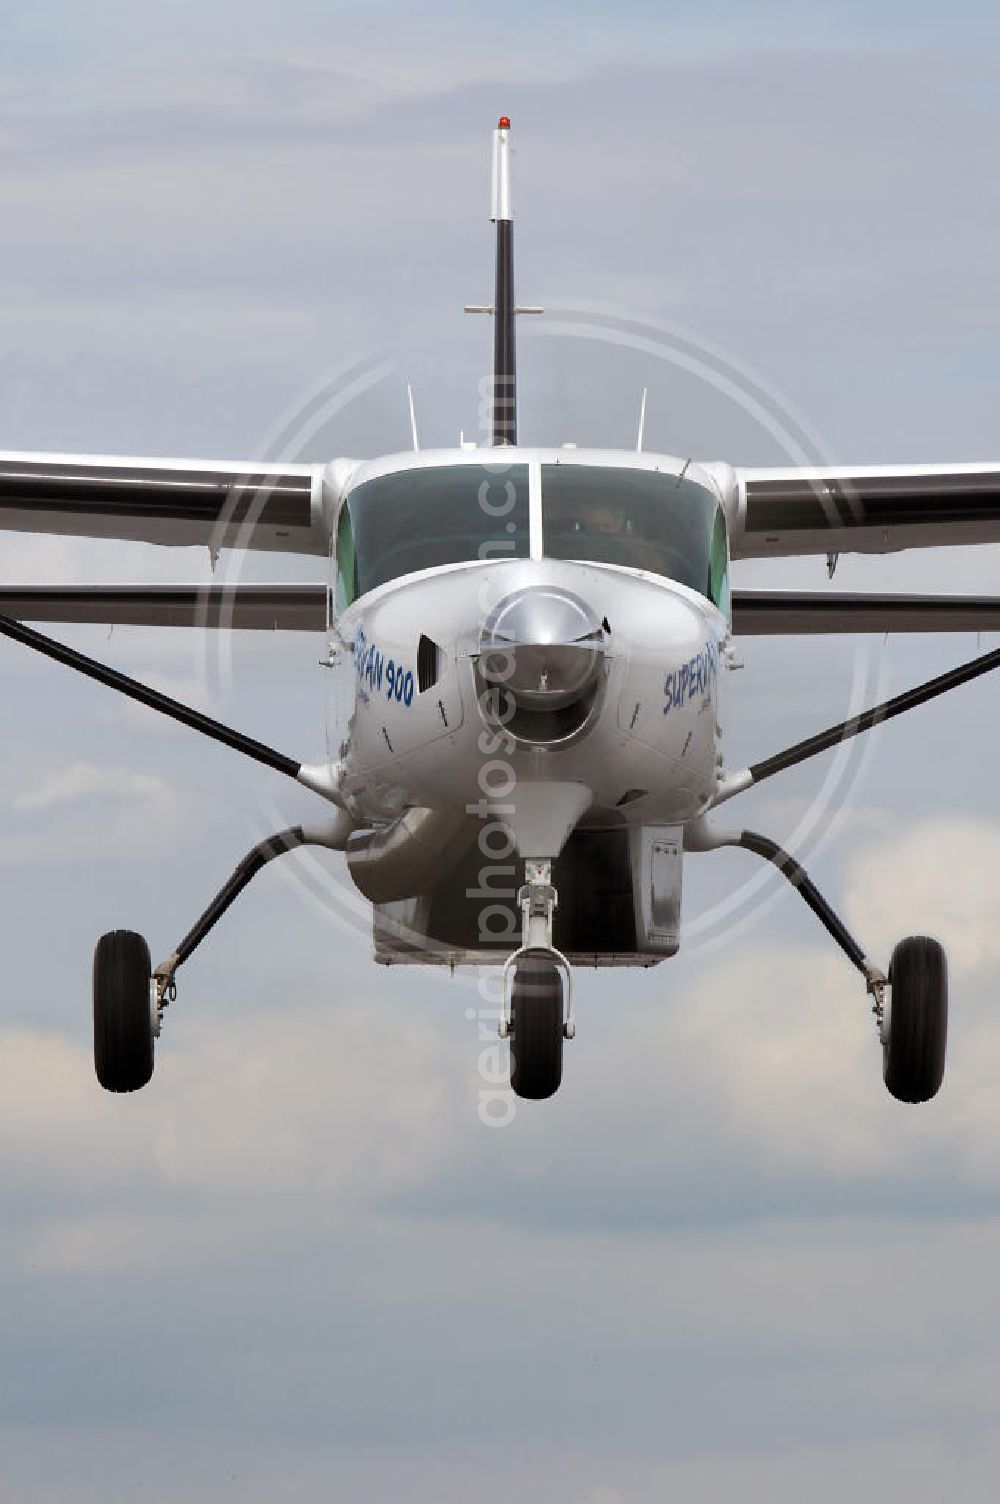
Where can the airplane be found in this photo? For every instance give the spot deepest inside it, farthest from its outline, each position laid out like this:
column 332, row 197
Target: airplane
column 534, row 642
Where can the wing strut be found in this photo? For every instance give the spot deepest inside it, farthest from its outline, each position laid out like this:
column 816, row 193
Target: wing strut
column 186, row 714
column 736, row 783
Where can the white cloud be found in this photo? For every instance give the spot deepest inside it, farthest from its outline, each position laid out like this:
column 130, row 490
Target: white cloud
column 100, row 1243
column 769, row 1063
column 82, row 781
column 96, row 814
column 336, row 1103
column 935, row 876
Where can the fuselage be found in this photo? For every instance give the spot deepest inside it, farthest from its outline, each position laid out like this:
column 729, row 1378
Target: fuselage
column 421, row 719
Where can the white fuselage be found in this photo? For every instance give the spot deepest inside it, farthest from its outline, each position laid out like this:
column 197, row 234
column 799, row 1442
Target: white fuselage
column 649, row 752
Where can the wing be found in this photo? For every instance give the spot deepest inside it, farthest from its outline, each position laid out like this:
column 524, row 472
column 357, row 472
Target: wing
column 305, row 608
column 281, row 507
column 863, row 509
column 262, row 607
column 760, row 613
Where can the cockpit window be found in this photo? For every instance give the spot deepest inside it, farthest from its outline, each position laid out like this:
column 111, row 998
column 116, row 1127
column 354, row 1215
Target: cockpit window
column 347, row 574
column 718, row 568
column 643, row 519
column 422, row 518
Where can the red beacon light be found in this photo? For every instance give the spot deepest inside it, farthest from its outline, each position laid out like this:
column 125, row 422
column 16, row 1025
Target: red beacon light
column 503, row 124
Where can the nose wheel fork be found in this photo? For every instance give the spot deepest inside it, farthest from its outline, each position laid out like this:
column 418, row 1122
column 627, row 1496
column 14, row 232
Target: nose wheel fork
column 558, row 963
column 536, row 1010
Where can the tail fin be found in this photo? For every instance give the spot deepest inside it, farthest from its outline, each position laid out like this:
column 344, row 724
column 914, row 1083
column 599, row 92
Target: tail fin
column 503, row 414
column 504, row 364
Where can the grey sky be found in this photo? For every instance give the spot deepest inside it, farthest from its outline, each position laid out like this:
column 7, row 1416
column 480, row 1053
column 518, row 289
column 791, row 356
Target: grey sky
column 722, row 1260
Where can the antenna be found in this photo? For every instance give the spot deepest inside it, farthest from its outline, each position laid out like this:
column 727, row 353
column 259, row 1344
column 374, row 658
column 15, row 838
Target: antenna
column 503, row 308
column 413, row 418
column 642, row 420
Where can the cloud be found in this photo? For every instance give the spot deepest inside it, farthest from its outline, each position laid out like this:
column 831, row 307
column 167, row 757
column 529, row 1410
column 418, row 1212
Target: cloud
column 337, row 1103
column 759, row 1085
column 104, row 1243
column 94, row 813
column 935, row 876
column 83, row 780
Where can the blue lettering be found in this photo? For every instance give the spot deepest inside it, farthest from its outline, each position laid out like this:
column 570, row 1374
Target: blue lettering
column 375, row 670
column 695, row 677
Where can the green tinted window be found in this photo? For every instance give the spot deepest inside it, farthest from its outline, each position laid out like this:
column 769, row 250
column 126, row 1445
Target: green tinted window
column 346, row 569
column 718, row 575
column 665, row 524
column 426, row 517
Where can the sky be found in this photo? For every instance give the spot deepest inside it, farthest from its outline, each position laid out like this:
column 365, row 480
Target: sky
column 722, row 1261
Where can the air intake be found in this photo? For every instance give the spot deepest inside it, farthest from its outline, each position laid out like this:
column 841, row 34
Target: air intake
column 543, row 649
column 428, row 663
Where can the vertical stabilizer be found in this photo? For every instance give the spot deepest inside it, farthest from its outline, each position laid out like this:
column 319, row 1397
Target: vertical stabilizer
column 504, row 371
column 503, row 407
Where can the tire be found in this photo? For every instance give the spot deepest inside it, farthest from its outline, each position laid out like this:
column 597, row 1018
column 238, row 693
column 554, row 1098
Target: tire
column 913, row 1057
column 536, row 1028
column 123, row 1030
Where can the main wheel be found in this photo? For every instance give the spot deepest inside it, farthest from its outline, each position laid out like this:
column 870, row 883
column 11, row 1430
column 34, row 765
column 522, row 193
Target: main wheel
column 123, row 1024
column 536, row 1028
column 913, row 1054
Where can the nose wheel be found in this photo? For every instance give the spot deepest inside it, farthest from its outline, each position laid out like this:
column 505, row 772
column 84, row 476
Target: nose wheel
column 536, row 1028
column 539, row 1018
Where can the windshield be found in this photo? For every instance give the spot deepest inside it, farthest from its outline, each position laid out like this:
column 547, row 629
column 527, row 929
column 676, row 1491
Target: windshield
column 665, row 524
column 425, row 517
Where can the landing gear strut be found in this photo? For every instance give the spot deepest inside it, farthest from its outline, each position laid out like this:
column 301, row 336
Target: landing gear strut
column 130, row 996
column 910, row 1004
column 536, row 1024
